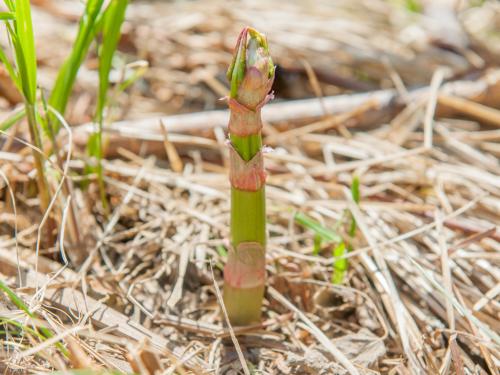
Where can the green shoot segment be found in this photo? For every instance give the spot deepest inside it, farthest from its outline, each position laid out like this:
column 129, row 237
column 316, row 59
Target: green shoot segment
column 251, row 75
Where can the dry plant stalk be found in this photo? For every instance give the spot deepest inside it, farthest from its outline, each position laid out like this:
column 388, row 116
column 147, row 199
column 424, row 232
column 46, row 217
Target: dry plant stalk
column 251, row 75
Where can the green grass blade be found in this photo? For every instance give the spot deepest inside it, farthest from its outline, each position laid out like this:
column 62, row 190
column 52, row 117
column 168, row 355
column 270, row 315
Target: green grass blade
column 113, row 19
column 6, row 16
column 10, row 69
column 26, row 49
column 46, row 122
column 21, row 72
column 112, row 22
column 355, row 189
column 355, row 197
column 13, row 119
column 46, row 333
column 15, row 299
column 10, row 4
column 325, row 233
column 66, row 77
column 21, row 326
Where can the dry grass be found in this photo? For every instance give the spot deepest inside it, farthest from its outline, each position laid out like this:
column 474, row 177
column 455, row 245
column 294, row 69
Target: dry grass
column 140, row 292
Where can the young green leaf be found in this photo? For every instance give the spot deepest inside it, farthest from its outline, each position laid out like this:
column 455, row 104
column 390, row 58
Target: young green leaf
column 325, row 233
column 221, row 250
column 339, row 265
column 13, row 119
column 10, row 69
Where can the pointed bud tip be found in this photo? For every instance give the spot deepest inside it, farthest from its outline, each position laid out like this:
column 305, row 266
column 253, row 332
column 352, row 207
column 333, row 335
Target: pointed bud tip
column 251, row 62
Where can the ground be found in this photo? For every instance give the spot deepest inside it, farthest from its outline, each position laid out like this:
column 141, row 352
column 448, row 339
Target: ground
column 403, row 96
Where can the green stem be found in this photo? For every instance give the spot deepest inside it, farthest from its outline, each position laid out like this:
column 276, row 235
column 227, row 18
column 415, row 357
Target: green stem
column 248, row 224
column 248, row 211
column 247, row 147
column 251, row 75
column 100, row 174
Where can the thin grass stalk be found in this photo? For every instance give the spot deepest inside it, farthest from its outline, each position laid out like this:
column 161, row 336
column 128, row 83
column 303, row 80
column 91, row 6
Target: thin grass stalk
column 251, row 75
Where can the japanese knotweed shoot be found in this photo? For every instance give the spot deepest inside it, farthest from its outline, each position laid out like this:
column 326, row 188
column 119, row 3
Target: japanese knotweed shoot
column 251, row 75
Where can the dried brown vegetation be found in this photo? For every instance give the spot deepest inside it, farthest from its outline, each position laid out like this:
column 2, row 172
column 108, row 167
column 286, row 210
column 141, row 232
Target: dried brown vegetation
column 406, row 99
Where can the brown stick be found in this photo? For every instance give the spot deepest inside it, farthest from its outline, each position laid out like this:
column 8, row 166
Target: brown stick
column 485, row 91
column 475, row 110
